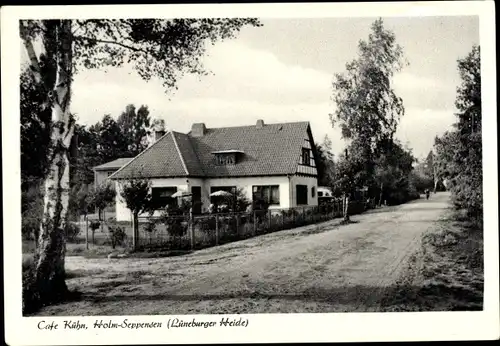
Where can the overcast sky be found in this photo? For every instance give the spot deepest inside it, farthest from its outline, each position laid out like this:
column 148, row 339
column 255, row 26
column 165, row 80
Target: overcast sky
column 283, row 71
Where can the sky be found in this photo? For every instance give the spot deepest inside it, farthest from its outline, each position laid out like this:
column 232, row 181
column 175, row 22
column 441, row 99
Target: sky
column 283, row 71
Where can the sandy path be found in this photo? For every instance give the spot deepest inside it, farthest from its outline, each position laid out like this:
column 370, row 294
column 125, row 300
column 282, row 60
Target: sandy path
column 318, row 268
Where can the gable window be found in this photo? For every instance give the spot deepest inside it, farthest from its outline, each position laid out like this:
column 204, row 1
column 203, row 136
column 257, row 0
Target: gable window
column 269, row 194
column 109, row 173
column 162, row 196
column 306, row 156
column 301, row 194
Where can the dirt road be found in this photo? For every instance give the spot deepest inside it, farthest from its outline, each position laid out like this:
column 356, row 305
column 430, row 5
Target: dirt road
column 319, row 268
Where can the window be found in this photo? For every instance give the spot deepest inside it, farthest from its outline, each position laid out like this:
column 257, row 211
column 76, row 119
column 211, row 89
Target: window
column 161, row 196
column 306, row 156
column 313, row 192
column 269, row 194
column 320, row 193
column 301, row 194
column 225, row 159
column 109, row 173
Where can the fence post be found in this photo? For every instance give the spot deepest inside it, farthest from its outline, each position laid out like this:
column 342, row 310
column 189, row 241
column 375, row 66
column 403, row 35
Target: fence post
column 86, row 232
column 238, row 224
column 216, row 229
column 191, row 230
column 254, row 223
column 269, row 217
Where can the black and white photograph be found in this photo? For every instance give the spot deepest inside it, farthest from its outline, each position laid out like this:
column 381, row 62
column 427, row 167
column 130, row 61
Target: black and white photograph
column 191, row 171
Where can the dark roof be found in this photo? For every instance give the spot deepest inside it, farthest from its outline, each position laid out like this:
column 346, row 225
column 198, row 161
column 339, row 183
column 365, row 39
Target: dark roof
column 274, row 149
column 115, row 164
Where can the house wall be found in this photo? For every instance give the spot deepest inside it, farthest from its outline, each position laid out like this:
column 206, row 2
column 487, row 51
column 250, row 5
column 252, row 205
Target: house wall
column 246, row 183
column 101, row 175
column 304, row 180
column 288, row 198
column 124, row 214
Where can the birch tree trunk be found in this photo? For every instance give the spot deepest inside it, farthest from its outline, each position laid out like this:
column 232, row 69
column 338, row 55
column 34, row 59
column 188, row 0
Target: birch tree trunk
column 49, row 280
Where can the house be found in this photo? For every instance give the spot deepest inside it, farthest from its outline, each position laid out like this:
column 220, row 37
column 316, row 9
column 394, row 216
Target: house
column 102, row 172
column 274, row 162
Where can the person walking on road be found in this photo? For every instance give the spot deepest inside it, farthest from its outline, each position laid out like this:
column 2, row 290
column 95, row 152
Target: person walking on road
column 427, row 193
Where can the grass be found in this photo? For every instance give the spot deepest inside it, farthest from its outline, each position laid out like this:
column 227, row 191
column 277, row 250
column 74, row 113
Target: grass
column 447, row 273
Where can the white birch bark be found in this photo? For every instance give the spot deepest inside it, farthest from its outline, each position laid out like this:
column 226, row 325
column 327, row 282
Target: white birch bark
column 51, row 247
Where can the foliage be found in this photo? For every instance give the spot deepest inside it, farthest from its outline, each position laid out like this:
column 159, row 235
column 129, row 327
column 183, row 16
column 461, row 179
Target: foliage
column 35, row 123
column 117, row 235
column 242, row 201
column 150, row 226
column 459, row 152
column 420, row 182
column 71, row 231
column 94, row 225
column 31, row 210
column 81, row 200
column 367, row 109
column 325, row 164
column 368, row 112
column 102, row 196
column 392, row 173
column 134, row 127
column 137, row 196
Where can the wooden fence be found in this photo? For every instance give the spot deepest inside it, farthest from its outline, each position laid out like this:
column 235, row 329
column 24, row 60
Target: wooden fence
column 196, row 232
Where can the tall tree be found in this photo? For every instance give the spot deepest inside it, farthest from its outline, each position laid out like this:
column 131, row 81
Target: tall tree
column 155, row 47
column 367, row 108
column 325, row 163
column 459, row 153
column 134, row 125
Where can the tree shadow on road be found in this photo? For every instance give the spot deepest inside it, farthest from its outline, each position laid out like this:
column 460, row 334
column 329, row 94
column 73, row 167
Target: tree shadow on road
column 357, row 298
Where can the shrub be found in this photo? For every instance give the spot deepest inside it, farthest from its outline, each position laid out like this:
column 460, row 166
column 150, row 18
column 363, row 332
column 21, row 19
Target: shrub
column 94, row 224
column 150, row 226
column 117, row 235
column 72, row 231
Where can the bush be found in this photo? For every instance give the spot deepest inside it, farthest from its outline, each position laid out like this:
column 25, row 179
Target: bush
column 94, row 225
column 150, row 226
column 72, row 231
column 118, row 235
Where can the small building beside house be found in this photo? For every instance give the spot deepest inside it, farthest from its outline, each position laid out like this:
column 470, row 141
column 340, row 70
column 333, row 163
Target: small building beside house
column 271, row 162
column 104, row 171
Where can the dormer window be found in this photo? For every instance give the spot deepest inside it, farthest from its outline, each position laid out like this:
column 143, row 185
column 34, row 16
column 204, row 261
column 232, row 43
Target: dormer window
column 224, row 159
column 227, row 157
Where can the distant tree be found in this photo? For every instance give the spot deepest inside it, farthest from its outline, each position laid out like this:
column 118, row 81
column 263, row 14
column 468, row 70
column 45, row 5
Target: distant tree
column 367, row 108
column 459, row 153
column 325, row 164
column 159, row 48
column 134, row 126
column 393, row 168
column 102, row 196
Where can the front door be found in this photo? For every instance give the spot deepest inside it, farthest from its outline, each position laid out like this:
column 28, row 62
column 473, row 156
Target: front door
column 196, row 194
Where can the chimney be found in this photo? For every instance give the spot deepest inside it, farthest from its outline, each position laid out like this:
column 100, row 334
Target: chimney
column 198, row 130
column 158, row 135
column 260, row 124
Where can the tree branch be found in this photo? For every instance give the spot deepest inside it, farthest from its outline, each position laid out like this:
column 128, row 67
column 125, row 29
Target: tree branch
column 123, row 45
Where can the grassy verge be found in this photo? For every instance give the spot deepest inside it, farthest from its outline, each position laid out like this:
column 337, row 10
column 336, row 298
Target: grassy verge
column 446, row 274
